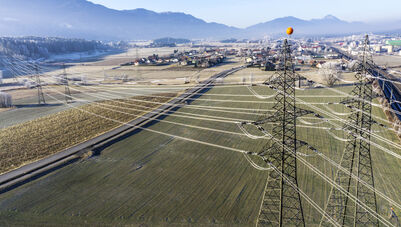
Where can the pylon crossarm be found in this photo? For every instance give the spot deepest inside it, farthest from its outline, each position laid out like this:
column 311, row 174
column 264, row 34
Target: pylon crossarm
column 302, row 112
column 269, row 119
column 300, row 77
column 272, row 79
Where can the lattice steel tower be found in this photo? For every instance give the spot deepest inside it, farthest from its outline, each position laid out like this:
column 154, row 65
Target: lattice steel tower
column 41, row 97
column 281, row 205
column 356, row 157
column 67, row 92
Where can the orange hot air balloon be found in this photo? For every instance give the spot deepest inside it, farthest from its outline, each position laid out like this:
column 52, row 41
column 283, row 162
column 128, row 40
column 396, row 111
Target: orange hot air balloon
column 290, row 30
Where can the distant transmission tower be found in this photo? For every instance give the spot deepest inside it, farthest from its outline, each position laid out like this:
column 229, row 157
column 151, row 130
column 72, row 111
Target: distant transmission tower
column 137, row 71
column 67, row 92
column 281, row 205
column 356, row 156
column 41, row 97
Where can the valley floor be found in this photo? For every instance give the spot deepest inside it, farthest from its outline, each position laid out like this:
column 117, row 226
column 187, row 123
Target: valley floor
column 158, row 179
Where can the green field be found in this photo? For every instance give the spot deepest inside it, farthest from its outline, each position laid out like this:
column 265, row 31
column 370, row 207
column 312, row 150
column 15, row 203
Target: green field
column 155, row 179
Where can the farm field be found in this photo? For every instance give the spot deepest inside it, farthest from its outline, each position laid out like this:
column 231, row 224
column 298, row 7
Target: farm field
column 161, row 179
column 33, row 140
column 200, row 114
column 172, row 74
column 107, row 69
column 387, row 60
column 133, row 53
column 259, row 76
column 26, row 107
column 173, row 80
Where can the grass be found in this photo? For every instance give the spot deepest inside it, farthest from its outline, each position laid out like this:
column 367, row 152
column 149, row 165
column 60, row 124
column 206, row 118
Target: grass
column 154, row 179
column 39, row 138
column 26, row 109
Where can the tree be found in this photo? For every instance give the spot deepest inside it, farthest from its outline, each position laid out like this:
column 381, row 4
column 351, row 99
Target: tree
column 330, row 74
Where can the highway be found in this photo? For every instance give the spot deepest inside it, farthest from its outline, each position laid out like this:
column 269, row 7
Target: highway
column 390, row 90
column 24, row 174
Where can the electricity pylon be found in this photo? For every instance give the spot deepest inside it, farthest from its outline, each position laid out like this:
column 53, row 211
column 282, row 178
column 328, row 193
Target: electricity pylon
column 67, row 92
column 281, row 205
column 41, row 97
column 356, row 156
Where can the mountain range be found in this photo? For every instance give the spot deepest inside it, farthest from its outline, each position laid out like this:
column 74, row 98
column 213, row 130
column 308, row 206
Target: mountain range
column 84, row 19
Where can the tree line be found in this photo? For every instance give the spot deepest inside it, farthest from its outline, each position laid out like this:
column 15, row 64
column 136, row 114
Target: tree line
column 37, row 47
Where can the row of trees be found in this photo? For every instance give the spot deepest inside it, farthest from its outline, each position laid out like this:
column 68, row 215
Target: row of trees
column 35, row 47
column 169, row 42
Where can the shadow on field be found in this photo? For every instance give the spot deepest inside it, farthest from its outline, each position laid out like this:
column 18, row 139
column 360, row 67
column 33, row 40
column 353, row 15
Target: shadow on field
column 37, row 176
column 38, row 105
column 345, row 85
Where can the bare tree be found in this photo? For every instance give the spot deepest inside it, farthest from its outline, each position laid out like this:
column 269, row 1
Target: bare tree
column 330, row 74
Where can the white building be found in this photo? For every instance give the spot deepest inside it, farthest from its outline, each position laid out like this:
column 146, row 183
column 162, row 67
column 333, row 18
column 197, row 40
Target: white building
column 377, row 48
column 388, row 48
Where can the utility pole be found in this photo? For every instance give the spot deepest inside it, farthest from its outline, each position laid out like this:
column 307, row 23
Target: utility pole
column 281, row 204
column 41, row 97
column 356, row 157
column 67, row 92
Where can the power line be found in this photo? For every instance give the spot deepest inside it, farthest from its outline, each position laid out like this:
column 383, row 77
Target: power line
column 281, row 204
column 329, row 180
column 41, row 97
column 67, row 92
column 357, row 149
column 380, row 138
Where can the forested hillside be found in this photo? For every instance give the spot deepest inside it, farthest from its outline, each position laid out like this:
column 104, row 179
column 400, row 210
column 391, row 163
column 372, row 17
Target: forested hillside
column 34, row 47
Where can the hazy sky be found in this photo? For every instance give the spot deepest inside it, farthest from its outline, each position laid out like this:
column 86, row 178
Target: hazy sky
column 243, row 13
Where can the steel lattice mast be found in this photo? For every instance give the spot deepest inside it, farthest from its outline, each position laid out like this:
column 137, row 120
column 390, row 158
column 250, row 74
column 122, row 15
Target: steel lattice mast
column 67, row 92
column 281, row 205
column 356, row 156
column 41, row 97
